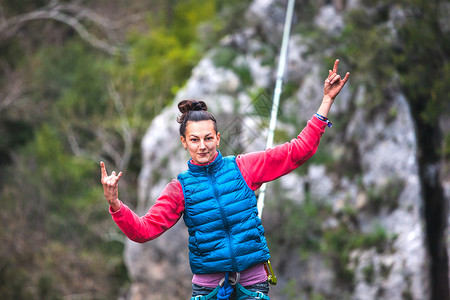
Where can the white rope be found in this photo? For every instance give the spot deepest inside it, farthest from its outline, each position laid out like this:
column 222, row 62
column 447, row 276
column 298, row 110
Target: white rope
column 277, row 93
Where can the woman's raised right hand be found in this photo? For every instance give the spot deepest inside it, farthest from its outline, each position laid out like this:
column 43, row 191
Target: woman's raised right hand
column 111, row 187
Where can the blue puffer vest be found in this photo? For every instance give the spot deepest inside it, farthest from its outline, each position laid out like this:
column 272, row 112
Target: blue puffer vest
column 225, row 232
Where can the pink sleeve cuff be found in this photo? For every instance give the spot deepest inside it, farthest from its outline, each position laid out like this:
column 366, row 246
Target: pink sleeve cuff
column 321, row 124
column 117, row 212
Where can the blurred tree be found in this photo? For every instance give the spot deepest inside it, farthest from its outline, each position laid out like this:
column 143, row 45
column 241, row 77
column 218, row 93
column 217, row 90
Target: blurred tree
column 78, row 17
column 406, row 44
column 78, row 86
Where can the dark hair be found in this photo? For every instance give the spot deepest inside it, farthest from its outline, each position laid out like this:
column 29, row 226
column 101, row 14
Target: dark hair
column 192, row 110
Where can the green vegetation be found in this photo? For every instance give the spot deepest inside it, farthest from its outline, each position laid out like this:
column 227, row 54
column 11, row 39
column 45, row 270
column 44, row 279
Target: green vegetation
column 301, row 227
column 386, row 196
column 369, row 273
column 73, row 106
column 339, row 242
column 446, row 148
column 225, row 57
column 403, row 46
column 296, row 227
column 413, row 55
column 290, row 290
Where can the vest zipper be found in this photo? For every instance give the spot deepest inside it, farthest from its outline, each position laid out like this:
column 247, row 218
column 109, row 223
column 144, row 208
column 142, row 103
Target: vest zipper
column 224, row 218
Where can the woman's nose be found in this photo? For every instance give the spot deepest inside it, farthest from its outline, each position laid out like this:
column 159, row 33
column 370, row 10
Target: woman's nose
column 202, row 144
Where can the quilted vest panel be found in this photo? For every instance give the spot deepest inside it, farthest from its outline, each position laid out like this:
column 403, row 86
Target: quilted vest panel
column 225, row 232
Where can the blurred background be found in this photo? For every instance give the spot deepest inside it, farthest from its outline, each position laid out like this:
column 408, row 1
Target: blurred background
column 83, row 81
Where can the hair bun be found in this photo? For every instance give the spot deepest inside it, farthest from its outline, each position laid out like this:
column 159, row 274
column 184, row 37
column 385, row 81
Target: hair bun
column 191, row 105
column 193, row 110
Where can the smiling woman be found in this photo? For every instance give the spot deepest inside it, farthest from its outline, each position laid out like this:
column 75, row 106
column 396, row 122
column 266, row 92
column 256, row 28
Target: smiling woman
column 216, row 197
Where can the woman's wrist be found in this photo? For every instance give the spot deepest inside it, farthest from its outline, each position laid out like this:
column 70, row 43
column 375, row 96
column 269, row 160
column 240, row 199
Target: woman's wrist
column 115, row 205
column 324, row 109
column 327, row 99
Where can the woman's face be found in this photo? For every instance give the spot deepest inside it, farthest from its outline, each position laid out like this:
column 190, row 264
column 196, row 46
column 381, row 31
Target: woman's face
column 201, row 141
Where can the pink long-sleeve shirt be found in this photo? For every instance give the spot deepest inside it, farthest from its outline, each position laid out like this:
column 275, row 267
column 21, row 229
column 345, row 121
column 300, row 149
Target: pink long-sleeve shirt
column 256, row 168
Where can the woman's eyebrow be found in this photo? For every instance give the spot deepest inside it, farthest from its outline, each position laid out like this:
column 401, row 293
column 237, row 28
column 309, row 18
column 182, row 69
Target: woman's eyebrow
column 193, row 135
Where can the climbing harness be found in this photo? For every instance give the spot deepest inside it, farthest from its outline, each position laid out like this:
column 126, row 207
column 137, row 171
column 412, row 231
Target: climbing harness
column 245, row 293
column 225, row 288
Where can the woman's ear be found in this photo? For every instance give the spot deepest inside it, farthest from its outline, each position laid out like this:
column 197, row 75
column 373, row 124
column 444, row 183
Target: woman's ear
column 218, row 139
column 183, row 141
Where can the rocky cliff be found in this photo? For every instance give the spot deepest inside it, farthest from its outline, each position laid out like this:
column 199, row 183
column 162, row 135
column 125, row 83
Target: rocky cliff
column 348, row 224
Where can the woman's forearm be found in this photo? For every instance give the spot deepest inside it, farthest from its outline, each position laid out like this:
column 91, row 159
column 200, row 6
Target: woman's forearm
column 325, row 106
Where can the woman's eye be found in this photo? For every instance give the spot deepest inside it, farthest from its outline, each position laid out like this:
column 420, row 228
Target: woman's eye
column 194, row 140
column 209, row 138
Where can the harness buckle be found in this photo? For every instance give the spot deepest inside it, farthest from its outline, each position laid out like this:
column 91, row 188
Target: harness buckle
column 234, row 281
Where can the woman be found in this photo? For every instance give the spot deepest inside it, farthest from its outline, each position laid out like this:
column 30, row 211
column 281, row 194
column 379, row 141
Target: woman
column 216, row 198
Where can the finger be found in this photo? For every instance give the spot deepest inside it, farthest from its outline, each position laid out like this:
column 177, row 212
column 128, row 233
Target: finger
column 334, row 78
column 108, row 180
column 116, row 179
column 103, row 168
column 329, row 76
column 113, row 173
column 336, row 64
column 111, row 181
column 347, row 75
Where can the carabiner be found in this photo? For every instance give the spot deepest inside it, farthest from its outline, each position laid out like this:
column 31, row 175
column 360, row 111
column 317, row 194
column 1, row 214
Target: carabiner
column 270, row 275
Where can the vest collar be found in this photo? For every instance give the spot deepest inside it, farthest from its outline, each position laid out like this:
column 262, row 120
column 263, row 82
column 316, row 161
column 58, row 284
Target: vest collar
column 213, row 166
